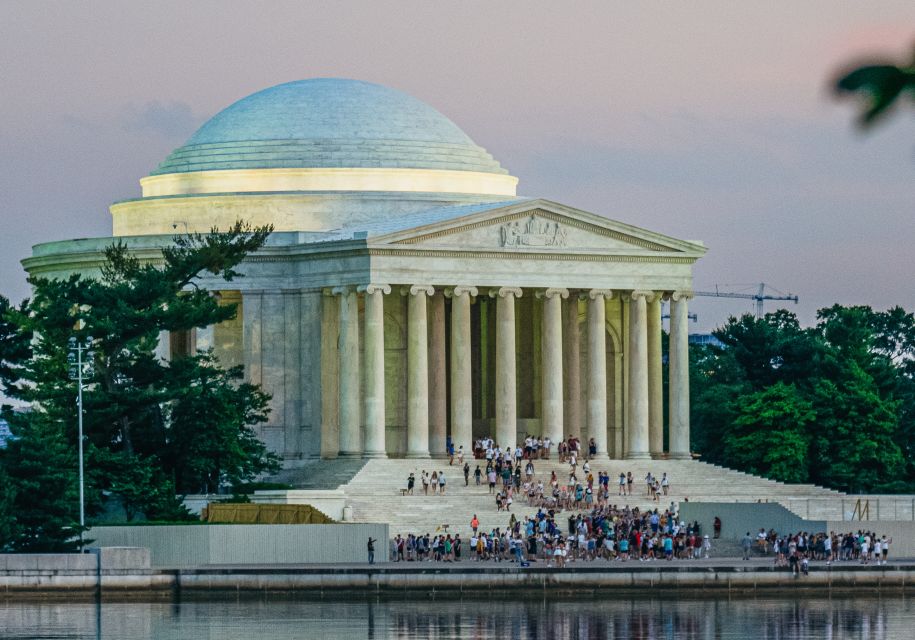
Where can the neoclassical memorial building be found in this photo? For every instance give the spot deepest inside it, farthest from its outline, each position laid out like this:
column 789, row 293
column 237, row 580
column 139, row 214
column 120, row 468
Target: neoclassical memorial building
column 408, row 294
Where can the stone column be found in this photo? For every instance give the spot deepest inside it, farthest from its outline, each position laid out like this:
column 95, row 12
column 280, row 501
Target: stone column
column 204, row 338
column 438, row 377
column 374, row 370
column 571, row 370
column 597, row 369
column 638, row 375
column 417, row 371
column 164, row 346
column 551, row 347
column 655, row 380
column 506, row 376
column 461, row 373
column 679, row 375
column 330, row 376
column 349, row 388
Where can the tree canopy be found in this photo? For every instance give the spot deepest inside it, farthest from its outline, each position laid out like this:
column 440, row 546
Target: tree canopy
column 832, row 404
column 153, row 428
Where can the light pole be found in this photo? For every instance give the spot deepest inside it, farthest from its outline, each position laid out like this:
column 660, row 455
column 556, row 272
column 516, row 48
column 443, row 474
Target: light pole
column 76, row 370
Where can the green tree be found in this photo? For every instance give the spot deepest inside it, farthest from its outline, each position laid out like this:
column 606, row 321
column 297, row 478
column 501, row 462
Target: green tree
column 43, row 499
column 770, row 436
column 210, row 440
column 132, row 436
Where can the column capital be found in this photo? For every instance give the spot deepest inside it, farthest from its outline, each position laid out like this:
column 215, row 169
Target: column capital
column 549, row 293
column 606, row 293
column 417, row 289
column 374, row 288
column 681, row 295
column 504, row 292
column 458, row 291
column 341, row 290
column 642, row 293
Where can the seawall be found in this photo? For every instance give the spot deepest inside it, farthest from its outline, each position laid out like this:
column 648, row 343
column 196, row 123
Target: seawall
column 681, row 579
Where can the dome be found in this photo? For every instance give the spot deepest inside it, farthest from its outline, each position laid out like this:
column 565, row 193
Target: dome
column 329, row 123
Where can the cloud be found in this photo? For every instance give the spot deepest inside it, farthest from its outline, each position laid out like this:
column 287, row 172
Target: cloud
column 170, row 120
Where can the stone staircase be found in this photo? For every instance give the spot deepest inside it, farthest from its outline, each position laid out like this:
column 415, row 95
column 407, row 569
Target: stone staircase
column 374, row 491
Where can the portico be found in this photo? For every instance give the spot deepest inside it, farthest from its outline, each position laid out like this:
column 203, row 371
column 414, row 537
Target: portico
column 603, row 312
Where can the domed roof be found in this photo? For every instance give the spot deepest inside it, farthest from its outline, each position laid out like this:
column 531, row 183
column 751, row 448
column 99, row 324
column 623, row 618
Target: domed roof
column 326, row 123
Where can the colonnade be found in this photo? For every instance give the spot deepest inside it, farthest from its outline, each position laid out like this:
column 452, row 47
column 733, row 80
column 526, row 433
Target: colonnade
column 361, row 385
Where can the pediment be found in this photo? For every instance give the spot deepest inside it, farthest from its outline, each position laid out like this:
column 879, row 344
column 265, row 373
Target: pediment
column 538, row 226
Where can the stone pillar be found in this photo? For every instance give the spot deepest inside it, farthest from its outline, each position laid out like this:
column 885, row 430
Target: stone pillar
column 374, row 370
column 461, row 373
column 349, row 388
column 506, row 376
column 655, row 380
column 330, row 376
column 597, row 369
column 637, row 426
column 164, row 346
column 679, row 376
column 551, row 347
column 438, row 377
column 417, row 371
column 619, row 449
column 571, row 371
column 204, row 338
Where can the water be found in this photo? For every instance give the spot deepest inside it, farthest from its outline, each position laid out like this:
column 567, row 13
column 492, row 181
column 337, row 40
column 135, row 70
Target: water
column 801, row 616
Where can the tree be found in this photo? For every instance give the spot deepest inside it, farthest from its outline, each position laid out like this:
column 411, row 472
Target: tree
column 43, row 499
column 210, row 437
column 850, row 379
column 132, row 430
column 770, row 433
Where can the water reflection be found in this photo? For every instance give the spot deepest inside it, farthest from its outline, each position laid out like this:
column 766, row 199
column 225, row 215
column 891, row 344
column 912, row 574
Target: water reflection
column 605, row 616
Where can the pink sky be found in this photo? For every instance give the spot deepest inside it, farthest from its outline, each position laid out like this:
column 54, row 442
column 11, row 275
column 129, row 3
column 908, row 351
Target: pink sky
column 703, row 120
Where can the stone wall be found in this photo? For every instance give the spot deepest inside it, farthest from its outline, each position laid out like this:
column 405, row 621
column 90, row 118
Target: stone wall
column 196, row 545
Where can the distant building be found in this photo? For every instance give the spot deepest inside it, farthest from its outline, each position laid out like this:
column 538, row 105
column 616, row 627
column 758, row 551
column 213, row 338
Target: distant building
column 705, row 339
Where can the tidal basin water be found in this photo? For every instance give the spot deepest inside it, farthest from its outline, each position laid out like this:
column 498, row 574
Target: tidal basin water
column 861, row 616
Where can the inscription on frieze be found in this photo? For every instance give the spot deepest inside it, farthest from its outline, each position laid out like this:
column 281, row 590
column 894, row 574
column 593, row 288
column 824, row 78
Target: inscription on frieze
column 532, row 232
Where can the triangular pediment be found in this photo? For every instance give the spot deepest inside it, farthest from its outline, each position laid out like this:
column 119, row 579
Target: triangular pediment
column 537, row 226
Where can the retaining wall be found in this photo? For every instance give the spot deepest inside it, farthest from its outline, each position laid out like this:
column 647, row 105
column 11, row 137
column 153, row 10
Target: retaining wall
column 196, row 545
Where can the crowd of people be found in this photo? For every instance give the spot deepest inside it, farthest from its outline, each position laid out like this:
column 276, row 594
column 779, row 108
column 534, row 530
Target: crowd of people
column 603, row 533
column 796, row 550
column 510, row 474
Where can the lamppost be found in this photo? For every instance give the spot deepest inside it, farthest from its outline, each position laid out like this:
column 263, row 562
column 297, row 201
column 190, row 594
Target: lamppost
column 76, row 370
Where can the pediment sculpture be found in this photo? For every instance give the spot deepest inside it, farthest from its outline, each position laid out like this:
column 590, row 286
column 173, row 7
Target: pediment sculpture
column 533, row 232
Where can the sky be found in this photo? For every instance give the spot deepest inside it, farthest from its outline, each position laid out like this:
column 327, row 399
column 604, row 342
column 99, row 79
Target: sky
column 708, row 120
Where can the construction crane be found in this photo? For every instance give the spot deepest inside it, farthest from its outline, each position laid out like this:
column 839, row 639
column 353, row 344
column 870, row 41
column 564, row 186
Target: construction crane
column 760, row 296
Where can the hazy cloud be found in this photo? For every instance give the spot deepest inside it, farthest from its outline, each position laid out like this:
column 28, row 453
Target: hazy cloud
column 168, row 119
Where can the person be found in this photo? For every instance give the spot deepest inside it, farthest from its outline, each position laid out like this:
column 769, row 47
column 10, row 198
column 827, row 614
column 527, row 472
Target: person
column 460, row 455
column 371, row 550
column 747, row 544
column 717, row 527
column 425, row 480
column 467, row 474
column 706, row 546
column 665, row 484
column 441, row 482
column 411, row 481
column 434, row 482
column 477, row 475
column 474, row 524
column 886, row 547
